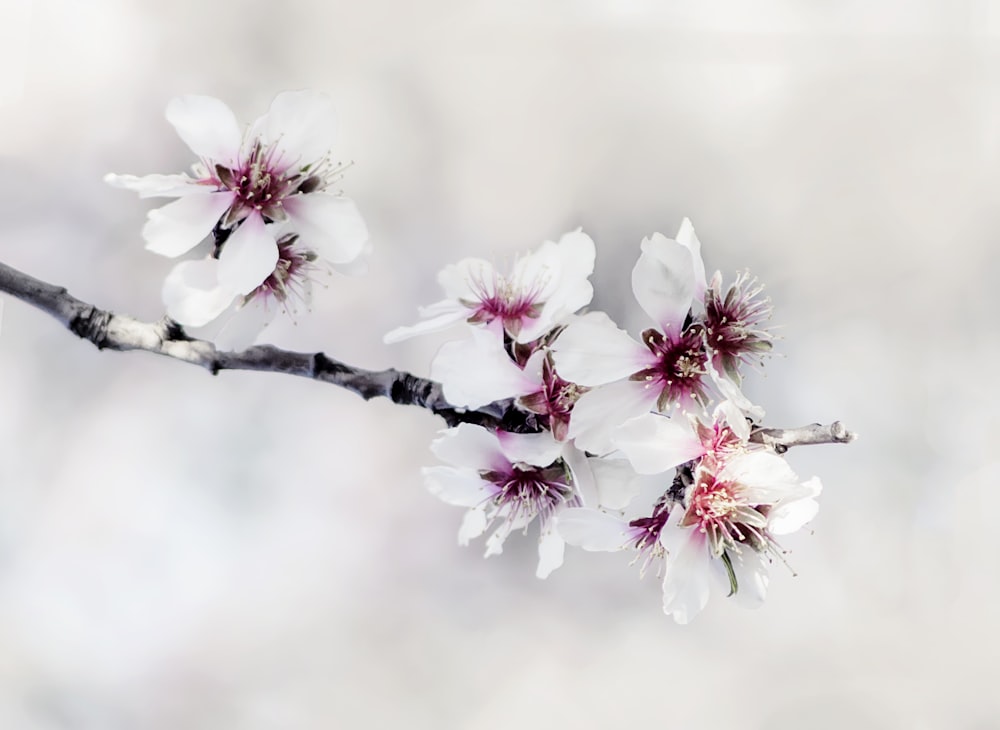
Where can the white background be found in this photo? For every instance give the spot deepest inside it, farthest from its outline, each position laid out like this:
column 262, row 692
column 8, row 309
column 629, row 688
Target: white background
column 252, row 551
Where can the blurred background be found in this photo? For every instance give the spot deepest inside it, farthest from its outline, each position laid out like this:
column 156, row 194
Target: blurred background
column 253, row 551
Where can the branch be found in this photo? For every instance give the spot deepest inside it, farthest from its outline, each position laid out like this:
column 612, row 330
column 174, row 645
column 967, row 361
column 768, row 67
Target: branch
column 109, row 331
column 781, row 439
column 119, row 332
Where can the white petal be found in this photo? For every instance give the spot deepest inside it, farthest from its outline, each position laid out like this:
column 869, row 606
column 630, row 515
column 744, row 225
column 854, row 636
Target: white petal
column 357, row 267
column 751, row 576
column 574, row 263
column 151, row 186
column 445, row 306
column 179, row 226
column 538, row 449
column 473, row 525
column 812, row 487
column 460, row 487
column 663, row 282
column 766, row 477
column 616, row 482
column 469, row 446
column 789, row 517
column 728, row 412
column 477, row 370
column 207, row 126
column 577, row 254
column 582, row 471
column 456, row 313
column 592, row 350
column 563, row 284
column 649, row 489
column 654, row 443
column 494, row 543
column 686, row 237
column 600, row 411
column 248, row 256
column 467, row 279
column 537, row 271
column 687, row 578
column 245, row 324
column 732, row 393
column 551, row 550
column 329, row 225
column 302, row 126
column 592, row 529
column 192, row 294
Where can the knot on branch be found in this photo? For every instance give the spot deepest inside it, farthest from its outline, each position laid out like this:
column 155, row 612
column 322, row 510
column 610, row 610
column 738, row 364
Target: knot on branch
column 324, row 366
column 171, row 331
column 92, row 324
column 407, row 389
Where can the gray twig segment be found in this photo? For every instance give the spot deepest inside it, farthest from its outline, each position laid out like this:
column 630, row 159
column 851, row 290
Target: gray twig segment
column 780, row 439
column 120, row 332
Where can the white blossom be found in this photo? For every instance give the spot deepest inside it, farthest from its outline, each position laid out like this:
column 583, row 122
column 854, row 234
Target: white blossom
column 543, row 289
column 248, row 189
column 667, row 369
column 506, row 481
column 629, row 377
column 727, row 529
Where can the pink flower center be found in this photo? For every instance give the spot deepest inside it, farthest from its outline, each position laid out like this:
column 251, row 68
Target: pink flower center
column 734, row 323
column 713, row 503
column 505, row 300
column 523, row 491
column 679, row 367
column 555, row 400
column 291, row 274
column 718, row 440
column 717, row 509
column 261, row 184
column 644, row 535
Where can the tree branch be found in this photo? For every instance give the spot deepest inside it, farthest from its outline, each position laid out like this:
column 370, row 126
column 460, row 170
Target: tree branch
column 112, row 331
column 120, row 332
column 781, row 439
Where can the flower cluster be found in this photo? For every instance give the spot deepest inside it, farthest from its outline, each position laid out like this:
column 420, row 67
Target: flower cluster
column 606, row 441
column 701, row 501
column 265, row 197
column 644, row 443
column 610, row 442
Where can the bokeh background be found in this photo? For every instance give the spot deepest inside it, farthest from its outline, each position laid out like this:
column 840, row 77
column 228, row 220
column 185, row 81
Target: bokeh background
column 253, row 551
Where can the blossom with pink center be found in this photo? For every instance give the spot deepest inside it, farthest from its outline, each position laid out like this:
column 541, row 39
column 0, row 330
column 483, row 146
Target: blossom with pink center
column 244, row 186
column 553, row 400
column 597, row 530
column 508, row 480
column 543, row 288
column 734, row 323
column 628, row 514
column 700, row 503
column 482, row 369
column 677, row 367
column 666, row 370
column 655, row 444
column 727, row 529
column 193, row 296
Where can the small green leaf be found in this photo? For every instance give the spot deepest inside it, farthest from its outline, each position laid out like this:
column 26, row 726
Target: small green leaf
column 727, row 561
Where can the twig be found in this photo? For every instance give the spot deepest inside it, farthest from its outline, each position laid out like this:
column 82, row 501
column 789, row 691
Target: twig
column 109, row 331
column 780, row 439
column 112, row 331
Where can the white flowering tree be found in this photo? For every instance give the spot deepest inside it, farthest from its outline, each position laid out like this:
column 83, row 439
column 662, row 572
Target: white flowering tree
column 558, row 421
